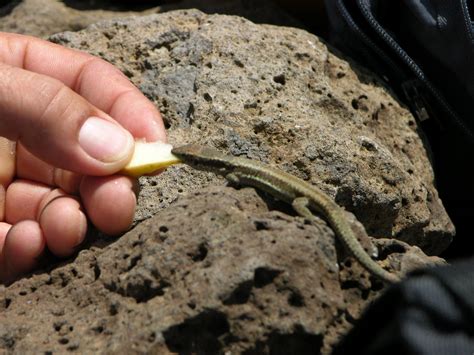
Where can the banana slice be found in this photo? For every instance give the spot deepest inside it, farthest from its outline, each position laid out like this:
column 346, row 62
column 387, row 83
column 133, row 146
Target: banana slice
column 149, row 157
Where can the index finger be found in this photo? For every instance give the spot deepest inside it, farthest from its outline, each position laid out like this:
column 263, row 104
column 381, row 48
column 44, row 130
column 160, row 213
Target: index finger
column 99, row 82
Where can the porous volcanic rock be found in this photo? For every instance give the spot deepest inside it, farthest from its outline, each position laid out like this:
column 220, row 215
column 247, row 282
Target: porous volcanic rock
column 278, row 95
column 198, row 278
column 42, row 18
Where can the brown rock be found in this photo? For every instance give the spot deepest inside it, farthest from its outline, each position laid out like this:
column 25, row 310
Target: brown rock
column 278, row 95
column 196, row 278
column 42, row 18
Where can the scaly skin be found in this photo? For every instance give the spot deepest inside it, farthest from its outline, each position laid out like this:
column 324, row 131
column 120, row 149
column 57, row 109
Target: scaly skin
column 303, row 196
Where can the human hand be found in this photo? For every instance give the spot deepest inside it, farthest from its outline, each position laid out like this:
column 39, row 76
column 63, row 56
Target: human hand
column 59, row 149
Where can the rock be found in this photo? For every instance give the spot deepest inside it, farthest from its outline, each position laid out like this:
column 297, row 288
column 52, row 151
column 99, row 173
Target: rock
column 278, row 95
column 239, row 279
column 42, row 18
column 222, row 270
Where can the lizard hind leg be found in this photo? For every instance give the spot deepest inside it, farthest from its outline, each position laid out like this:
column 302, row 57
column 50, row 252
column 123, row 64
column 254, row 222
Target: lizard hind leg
column 300, row 205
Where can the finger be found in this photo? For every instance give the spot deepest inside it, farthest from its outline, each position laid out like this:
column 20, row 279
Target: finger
column 64, row 225
column 30, row 167
column 59, row 126
column 23, row 200
column 7, row 170
column 60, row 216
column 110, row 202
column 2, row 203
column 4, row 228
column 7, row 161
column 23, row 245
column 80, row 71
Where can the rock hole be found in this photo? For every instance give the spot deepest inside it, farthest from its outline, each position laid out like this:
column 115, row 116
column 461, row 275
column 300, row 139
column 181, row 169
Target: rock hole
column 299, row 342
column 163, row 229
column 142, row 290
column 190, row 113
column 73, row 347
column 349, row 284
column 239, row 63
column 63, row 341
column 113, row 309
column 96, row 271
column 98, row 329
column 152, row 337
column 280, row 79
column 207, row 97
column 355, row 104
column 264, row 276
column 7, row 303
column 296, row 299
column 133, row 262
column 57, row 326
column 241, row 294
column 200, row 254
column 391, row 249
column 261, row 225
column 198, row 335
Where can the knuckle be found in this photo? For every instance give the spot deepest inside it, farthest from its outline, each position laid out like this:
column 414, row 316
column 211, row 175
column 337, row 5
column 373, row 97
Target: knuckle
column 56, row 99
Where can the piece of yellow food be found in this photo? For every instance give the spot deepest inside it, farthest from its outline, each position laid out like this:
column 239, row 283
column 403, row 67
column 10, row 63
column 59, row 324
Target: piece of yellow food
column 148, row 158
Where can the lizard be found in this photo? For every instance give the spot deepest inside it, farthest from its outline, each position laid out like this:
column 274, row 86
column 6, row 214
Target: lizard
column 303, row 197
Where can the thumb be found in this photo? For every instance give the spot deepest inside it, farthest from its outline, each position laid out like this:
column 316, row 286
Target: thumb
column 59, row 126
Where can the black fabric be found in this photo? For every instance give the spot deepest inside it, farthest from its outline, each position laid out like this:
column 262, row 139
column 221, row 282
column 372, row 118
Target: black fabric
column 431, row 313
column 423, row 48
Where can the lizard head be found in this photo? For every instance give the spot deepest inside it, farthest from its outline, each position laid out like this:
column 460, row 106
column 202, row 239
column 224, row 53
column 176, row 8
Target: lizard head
column 204, row 158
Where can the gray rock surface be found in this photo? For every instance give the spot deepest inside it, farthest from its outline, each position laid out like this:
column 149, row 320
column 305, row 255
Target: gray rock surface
column 278, row 95
column 241, row 279
column 219, row 269
column 42, row 18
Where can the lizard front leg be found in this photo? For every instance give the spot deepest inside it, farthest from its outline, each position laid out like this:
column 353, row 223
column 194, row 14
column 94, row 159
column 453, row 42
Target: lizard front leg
column 233, row 179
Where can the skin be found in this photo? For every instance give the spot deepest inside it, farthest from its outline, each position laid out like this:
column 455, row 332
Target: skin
column 50, row 185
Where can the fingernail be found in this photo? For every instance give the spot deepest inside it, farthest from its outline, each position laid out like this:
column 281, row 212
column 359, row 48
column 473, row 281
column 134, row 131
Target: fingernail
column 104, row 140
